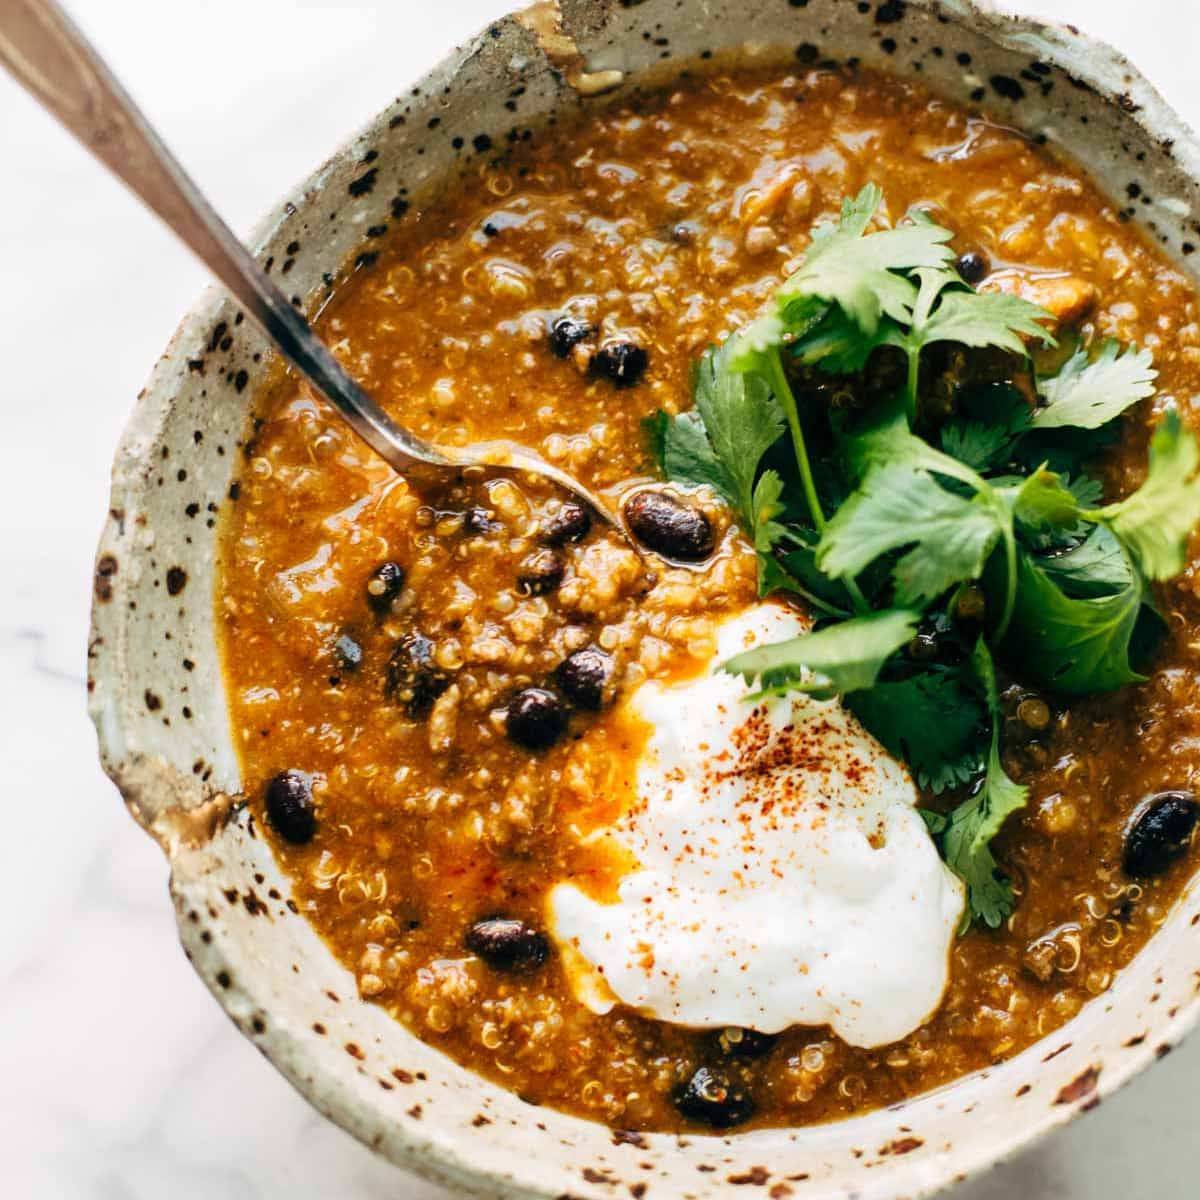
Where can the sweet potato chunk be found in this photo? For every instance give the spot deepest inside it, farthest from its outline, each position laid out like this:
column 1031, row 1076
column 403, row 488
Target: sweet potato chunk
column 1066, row 297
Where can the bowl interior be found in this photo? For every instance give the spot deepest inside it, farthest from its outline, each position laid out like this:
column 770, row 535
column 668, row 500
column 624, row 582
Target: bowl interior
column 158, row 696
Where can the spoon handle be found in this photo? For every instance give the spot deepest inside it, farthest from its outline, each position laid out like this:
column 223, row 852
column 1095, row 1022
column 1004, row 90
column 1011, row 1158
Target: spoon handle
column 48, row 55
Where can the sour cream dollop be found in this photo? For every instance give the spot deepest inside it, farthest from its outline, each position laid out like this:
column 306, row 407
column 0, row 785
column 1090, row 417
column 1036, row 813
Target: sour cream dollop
column 781, row 873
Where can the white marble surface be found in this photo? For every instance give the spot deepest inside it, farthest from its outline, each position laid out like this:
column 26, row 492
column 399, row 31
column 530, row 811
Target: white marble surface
column 121, row 1079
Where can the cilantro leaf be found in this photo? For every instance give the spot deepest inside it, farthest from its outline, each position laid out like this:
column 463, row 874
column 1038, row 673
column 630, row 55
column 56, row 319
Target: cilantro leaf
column 979, row 445
column 861, row 274
column 966, row 847
column 765, row 507
column 991, row 423
column 897, row 506
column 977, row 319
column 1088, row 492
column 1056, row 515
column 947, row 309
column 721, row 443
column 793, row 568
column 1089, row 394
column 688, row 458
column 930, row 721
column 940, row 560
column 1043, row 505
column 837, row 659
column 885, row 439
column 743, row 421
column 1097, row 566
column 654, row 430
column 767, row 332
column 1073, row 645
column 1066, row 450
column 965, row 836
column 838, row 346
column 1156, row 522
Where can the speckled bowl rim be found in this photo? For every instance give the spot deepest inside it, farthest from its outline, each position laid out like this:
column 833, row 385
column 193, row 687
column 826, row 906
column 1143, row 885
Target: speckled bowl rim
column 174, row 807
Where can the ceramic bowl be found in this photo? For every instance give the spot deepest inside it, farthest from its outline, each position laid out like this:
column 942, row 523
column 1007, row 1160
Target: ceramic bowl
column 158, row 698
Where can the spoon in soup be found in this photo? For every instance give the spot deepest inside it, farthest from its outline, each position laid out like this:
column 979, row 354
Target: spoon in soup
column 48, row 55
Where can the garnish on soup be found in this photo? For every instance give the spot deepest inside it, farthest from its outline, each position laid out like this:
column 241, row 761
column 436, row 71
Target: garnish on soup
column 922, row 512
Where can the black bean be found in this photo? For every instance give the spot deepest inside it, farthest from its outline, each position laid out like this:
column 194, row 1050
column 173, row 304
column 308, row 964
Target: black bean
column 290, row 807
column 480, row 522
column 507, row 944
column 973, row 267
column 1160, row 833
column 571, row 523
column 669, row 527
column 385, row 584
column 745, row 1043
column 412, row 677
column 541, row 573
column 536, row 718
column 348, row 653
column 713, row 1097
column 584, row 676
column 566, row 333
column 621, row 363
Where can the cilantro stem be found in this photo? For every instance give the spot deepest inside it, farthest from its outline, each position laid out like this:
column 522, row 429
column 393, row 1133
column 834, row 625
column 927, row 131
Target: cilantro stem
column 910, row 391
column 860, row 601
column 1010, row 582
column 787, row 401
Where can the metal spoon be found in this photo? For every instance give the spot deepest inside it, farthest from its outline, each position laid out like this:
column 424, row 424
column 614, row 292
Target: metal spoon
column 48, row 55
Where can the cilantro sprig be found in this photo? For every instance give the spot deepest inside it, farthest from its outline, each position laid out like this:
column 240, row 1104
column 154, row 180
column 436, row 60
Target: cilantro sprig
column 965, row 835
column 887, row 514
